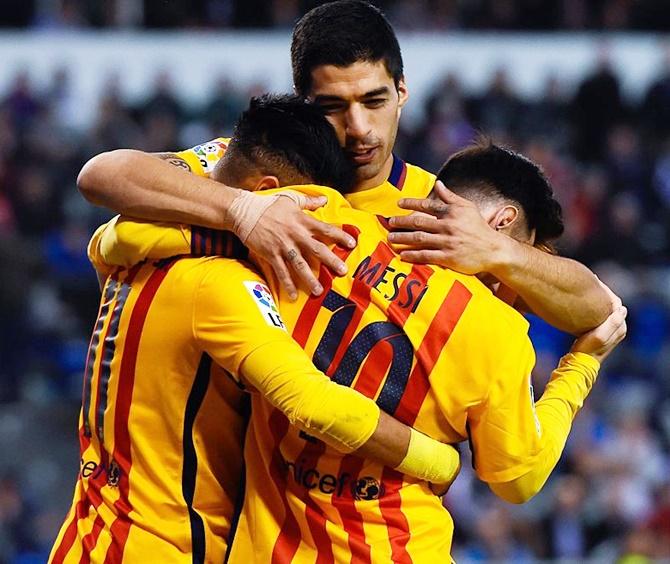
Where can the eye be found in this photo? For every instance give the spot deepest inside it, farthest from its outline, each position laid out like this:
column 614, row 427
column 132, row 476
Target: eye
column 375, row 102
column 331, row 108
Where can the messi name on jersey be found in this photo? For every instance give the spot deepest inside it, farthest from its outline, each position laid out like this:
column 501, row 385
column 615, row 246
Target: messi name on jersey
column 393, row 285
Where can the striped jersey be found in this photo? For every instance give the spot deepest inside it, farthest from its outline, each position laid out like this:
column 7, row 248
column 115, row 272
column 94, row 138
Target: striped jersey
column 162, row 420
column 436, row 350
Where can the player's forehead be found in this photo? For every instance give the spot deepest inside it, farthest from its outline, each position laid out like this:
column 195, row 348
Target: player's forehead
column 351, row 82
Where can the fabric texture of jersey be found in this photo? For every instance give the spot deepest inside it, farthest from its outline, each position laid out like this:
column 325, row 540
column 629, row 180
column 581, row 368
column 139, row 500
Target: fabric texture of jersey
column 147, row 483
column 437, row 351
column 190, row 316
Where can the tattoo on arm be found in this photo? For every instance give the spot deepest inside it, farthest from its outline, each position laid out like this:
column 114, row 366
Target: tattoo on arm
column 174, row 160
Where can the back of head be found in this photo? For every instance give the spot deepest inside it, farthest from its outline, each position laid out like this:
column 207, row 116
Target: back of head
column 286, row 137
column 343, row 33
column 487, row 171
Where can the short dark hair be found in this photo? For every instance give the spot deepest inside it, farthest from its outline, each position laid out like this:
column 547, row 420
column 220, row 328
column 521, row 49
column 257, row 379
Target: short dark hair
column 496, row 171
column 343, row 33
column 284, row 136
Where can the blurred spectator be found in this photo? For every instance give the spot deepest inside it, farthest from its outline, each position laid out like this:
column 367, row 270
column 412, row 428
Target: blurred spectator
column 655, row 108
column 497, row 111
column 596, row 107
column 405, row 14
column 565, row 530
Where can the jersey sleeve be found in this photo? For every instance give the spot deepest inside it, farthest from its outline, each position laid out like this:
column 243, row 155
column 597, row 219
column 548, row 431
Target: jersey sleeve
column 124, row 242
column 237, row 323
column 563, row 397
column 503, row 429
column 202, row 158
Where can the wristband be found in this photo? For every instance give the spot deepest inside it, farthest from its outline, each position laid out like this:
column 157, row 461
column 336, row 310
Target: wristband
column 247, row 209
column 430, row 460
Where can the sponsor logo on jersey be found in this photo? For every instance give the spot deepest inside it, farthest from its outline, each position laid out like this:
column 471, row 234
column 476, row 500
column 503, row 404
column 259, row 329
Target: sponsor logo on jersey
column 361, row 488
column 266, row 304
column 91, row 469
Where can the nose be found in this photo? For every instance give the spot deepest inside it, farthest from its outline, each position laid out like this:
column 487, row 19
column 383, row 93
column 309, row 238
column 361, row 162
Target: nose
column 357, row 125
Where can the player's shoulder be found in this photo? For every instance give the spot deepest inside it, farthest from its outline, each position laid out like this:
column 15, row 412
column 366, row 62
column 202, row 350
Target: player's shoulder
column 202, row 158
column 418, row 183
column 485, row 308
column 215, row 274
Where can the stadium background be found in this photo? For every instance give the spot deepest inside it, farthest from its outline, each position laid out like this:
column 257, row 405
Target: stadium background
column 583, row 87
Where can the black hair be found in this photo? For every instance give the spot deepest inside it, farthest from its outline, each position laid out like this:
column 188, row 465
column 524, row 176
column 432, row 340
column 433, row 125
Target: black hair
column 343, row 33
column 496, row 171
column 287, row 137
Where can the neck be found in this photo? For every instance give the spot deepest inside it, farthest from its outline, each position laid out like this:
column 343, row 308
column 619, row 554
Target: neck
column 377, row 179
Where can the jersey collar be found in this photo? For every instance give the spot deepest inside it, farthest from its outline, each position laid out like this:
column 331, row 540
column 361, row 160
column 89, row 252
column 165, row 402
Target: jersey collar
column 398, row 173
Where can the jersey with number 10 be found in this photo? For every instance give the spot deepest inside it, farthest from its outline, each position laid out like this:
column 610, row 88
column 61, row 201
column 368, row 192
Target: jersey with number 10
column 437, row 351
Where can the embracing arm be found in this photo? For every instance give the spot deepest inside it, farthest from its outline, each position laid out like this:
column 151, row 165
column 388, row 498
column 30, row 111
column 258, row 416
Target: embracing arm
column 242, row 332
column 563, row 292
column 163, row 188
column 342, row 417
column 158, row 187
column 564, row 395
column 452, row 233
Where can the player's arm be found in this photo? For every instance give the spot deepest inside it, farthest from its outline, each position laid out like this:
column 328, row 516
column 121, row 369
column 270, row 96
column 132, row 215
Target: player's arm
column 242, row 332
column 164, row 188
column 563, row 292
column 530, row 454
column 125, row 241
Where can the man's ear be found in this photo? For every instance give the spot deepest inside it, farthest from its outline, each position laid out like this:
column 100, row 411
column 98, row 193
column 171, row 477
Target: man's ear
column 403, row 93
column 505, row 217
column 266, row 183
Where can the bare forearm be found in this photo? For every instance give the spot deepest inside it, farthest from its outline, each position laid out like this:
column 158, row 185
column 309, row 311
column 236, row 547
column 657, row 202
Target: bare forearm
column 562, row 291
column 141, row 185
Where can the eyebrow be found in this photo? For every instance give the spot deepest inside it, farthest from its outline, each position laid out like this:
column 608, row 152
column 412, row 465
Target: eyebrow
column 332, row 98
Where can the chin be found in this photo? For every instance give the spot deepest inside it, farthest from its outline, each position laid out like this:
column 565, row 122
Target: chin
column 368, row 171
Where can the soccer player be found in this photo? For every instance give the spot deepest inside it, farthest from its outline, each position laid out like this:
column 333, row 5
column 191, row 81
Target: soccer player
column 346, row 58
column 434, row 348
column 162, row 419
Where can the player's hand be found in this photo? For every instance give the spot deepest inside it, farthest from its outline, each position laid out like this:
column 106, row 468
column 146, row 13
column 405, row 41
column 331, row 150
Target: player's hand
column 602, row 340
column 290, row 240
column 448, row 232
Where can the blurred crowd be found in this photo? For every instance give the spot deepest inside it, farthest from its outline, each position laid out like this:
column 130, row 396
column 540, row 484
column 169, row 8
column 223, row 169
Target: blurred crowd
column 404, row 14
column 608, row 158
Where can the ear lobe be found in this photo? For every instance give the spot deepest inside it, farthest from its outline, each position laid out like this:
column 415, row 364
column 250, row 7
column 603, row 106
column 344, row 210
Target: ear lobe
column 267, row 183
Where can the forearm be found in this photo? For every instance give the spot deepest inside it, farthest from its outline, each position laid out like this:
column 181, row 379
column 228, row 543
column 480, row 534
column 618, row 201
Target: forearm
column 344, row 418
column 561, row 291
column 564, row 395
column 140, row 185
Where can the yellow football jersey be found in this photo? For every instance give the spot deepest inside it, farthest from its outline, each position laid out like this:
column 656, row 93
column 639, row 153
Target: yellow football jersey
column 437, row 351
column 151, row 395
column 405, row 181
column 163, row 419
column 434, row 348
